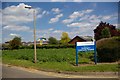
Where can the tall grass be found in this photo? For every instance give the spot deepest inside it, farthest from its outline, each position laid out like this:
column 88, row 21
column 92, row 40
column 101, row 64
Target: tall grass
column 53, row 59
column 47, row 55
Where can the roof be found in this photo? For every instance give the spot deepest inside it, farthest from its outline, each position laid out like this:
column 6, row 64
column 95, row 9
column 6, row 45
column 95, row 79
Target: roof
column 87, row 38
column 84, row 38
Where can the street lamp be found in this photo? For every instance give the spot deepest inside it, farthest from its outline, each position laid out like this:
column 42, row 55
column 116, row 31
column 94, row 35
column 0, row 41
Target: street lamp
column 34, row 16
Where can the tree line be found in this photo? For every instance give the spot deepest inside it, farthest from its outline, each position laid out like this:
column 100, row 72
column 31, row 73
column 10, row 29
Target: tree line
column 103, row 30
column 15, row 43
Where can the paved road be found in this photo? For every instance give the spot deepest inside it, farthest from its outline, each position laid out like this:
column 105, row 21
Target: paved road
column 14, row 72
column 19, row 72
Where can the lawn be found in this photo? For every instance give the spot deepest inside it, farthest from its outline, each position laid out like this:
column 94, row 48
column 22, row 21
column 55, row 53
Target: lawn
column 59, row 60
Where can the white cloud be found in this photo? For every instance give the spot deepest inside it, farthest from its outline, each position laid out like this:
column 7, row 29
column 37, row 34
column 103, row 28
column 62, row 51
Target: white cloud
column 78, row 14
column 10, row 19
column 13, row 34
column 48, row 33
column 89, row 20
column 56, row 10
column 84, row 30
column 77, row 0
column 79, row 24
column 106, row 17
column 56, row 19
column 53, row 20
column 86, row 17
column 15, row 16
column 40, row 15
column 60, row 15
column 50, row 29
column 16, row 28
column 57, row 31
column 58, row 0
column 67, row 21
column 88, row 11
column 13, row 12
column 88, row 23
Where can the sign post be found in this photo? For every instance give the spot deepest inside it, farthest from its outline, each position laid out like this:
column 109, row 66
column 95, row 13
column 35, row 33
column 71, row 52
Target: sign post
column 76, row 55
column 95, row 53
column 86, row 46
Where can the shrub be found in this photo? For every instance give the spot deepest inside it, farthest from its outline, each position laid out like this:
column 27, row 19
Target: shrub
column 53, row 40
column 15, row 43
column 54, row 46
column 108, row 49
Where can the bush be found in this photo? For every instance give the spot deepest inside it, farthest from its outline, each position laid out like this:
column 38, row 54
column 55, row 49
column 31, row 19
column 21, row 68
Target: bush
column 54, row 46
column 15, row 43
column 6, row 47
column 108, row 49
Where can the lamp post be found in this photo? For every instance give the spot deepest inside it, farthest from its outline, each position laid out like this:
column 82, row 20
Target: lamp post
column 34, row 16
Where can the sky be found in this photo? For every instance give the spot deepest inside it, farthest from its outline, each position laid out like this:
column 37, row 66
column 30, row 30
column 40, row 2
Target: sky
column 53, row 18
column 60, row 0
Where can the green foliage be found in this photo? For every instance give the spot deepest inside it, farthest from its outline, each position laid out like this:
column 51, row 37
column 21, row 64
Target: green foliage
column 43, row 55
column 105, row 33
column 47, row 55
column 118, row 29
column 6, row 47
column 54, row 59
column 15, row 43
column 55, row 46
column 53, row 40
column 108, row 49
column 64, row 38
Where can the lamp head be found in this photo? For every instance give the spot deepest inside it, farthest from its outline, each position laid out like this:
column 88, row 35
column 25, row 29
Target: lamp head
column 29, row 7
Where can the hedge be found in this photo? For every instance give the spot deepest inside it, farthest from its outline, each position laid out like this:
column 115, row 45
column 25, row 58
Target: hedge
column 54, row 46
column 108, row 49
column 42, row 47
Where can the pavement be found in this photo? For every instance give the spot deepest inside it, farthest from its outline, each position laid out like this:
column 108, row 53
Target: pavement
column 19, row 72
column 9, row 71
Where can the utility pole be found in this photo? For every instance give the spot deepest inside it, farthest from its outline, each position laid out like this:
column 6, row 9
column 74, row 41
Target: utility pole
column 34, row 32
column 35, row 56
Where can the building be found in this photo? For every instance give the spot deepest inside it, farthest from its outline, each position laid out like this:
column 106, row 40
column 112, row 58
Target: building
column 80, row 39
column 32, row 43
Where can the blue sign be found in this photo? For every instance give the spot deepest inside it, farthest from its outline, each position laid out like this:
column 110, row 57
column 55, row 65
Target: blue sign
column 86, row 46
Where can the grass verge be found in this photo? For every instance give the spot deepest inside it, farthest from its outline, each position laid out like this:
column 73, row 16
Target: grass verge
column 62, row 61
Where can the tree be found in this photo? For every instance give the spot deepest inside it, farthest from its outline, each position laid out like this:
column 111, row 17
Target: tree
column 105, row 33
column 15, row 43
column 53, row 40
column 64, row 38
column 111, row 29
column 118, row 29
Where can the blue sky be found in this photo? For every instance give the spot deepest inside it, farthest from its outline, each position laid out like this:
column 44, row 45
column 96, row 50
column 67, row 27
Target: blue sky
column 78, row 18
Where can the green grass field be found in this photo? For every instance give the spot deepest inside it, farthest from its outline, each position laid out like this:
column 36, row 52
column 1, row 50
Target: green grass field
column 55, row 60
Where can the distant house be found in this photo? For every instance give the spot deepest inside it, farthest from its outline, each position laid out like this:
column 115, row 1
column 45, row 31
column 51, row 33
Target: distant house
column 32, row 43
column 7, row 43
column 43, row 43
column 24, row 43
column 80, row 39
